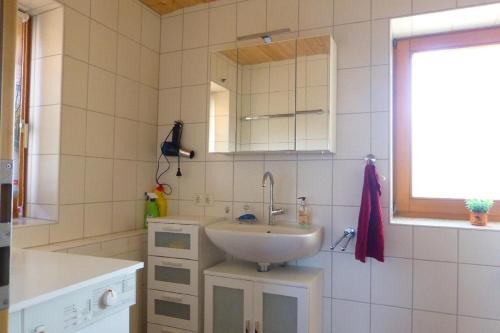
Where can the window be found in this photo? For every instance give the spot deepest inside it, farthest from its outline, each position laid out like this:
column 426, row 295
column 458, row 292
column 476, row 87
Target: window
column 23, row 43
column 447, row 123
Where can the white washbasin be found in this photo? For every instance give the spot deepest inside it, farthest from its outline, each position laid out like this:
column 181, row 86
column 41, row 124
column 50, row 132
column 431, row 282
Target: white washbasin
column 265, row 244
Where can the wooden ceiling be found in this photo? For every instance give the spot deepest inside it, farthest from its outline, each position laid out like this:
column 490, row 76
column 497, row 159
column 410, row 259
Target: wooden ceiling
column 168, row 6
column 286, row 50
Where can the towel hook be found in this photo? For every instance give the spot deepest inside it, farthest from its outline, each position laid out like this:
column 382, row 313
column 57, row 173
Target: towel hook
column 370, row 159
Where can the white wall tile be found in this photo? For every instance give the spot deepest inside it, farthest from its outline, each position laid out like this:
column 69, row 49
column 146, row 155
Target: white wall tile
column 348, row 272
column 282, row 14
column 82, row 6
column 73, row 126
column 101, row 95
column 381, row 45
column 98, row 179
column 194, row 104
column 468, row 324
column 430, row 322
column 348, row 182
column 123, row 216
column 170, row 70
column 248, row 181
column 44, row 129
column 346, row 11
column 479, row 247
column 127, row 98
column 171, row 33
column 148, row 104
column 169, row 106
column 70, row 224
column 435, row 244
column 350, row 317
column 386, row 319
column 195, row 31
column 222, row 24
column 48, row 73
column 124, row 180
column 103, row 46
column 353, row 90
column 105, row 12
column 76, row 34
column 314, row 181
column 219, row 180
column 392, row 282
column 476, row 296
column 98, row 219
column 251, row 17
column 380, row 134
column 129, row 19
column 150, row 67
column 48, row 33
column 353, row 42
column 75, row 81
column 390, row 8
column 315, row 14
column 194, row 138
column 71, row 180
column 129, row 55
column 322, row 260
column 194, row 66
column 151, row 30
column 285, row 181
column 100, row 143
column 192, row 180
column 125, row 139
column 380, row 88
column 146, row 142
column 423, row 6
column 321, row 216
column 398, row 239
column 435, row 286
column 353, row 135
column 43, row 172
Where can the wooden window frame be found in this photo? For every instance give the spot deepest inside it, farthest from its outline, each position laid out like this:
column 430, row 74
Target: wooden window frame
column 404, row 204
column 25, row 35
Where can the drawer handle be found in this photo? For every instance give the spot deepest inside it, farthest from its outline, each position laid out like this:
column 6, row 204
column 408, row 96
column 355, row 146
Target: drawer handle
column 171, row 299
column 256, row 327
column 171, row 264
column 247, row 326
column 172, row 229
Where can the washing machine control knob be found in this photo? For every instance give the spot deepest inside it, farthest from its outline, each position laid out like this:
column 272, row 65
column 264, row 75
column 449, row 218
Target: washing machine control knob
column 40, row 329
column 109, row 298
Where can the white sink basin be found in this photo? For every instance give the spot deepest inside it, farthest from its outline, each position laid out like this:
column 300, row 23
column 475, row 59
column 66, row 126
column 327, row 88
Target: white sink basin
column 265, row 244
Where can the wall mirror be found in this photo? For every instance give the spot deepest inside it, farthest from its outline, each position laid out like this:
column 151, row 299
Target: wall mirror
column 273, row 97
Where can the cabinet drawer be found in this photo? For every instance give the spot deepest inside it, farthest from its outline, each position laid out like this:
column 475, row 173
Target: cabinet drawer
column 173, row 240
column 152, row 328
column 175, row 310
column 175, row 275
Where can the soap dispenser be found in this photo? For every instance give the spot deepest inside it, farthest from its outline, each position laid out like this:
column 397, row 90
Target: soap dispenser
column 304, row 220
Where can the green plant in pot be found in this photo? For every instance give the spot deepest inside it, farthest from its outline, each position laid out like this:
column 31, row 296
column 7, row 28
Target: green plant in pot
column 478, row 209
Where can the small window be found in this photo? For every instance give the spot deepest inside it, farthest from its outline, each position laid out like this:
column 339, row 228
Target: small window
column 22, row 75
column 447, row 123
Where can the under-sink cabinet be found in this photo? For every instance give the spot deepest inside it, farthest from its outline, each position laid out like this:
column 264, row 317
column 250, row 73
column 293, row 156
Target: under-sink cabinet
column 238, row 299
column 178, row 252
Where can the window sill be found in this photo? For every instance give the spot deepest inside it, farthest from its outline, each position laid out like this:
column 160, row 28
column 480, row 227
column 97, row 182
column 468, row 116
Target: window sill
column 23, row 222
column 440, row 223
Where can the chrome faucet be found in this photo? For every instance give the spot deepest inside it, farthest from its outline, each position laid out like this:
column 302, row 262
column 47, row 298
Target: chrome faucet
column 272, row 210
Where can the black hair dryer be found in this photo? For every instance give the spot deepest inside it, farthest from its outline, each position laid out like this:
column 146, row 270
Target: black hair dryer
column 174, row 148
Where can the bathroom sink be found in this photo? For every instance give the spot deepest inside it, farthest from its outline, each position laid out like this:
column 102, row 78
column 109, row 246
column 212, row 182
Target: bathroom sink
column 266, row 244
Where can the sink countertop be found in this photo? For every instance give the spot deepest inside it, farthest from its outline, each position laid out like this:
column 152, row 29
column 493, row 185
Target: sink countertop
column 38, row 276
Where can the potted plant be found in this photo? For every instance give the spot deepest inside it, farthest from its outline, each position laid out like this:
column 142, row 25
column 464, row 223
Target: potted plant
column 478, row 209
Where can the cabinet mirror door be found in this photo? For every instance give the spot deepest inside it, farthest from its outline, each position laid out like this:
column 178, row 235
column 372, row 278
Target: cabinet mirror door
column 228, row 305
column 280, row 309
column 315, row 94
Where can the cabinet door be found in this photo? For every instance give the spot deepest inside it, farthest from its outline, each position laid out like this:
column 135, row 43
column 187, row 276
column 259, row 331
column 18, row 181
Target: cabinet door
column 280, row 309
column 228, row 305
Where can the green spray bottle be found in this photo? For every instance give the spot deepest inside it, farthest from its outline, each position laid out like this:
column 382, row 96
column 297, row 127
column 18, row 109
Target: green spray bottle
column 151, row 208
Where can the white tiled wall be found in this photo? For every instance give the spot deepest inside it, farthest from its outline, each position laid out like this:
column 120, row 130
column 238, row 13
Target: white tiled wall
column 96, row 123
column 433, row 280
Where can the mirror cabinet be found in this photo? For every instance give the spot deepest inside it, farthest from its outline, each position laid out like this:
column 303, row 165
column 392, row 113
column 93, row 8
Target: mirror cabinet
column 279, row 96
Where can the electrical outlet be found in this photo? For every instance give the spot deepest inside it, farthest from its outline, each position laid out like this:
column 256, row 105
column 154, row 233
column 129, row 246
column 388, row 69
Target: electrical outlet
column 198, row 199
column 209, row 200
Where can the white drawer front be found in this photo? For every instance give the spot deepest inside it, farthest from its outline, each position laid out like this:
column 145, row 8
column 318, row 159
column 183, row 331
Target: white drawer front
column 152, row 328
column 176, row 275
column 175, row 310
column 173, row 240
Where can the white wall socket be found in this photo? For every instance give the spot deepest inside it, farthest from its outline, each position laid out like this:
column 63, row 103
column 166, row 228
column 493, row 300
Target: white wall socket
column 201, row 199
